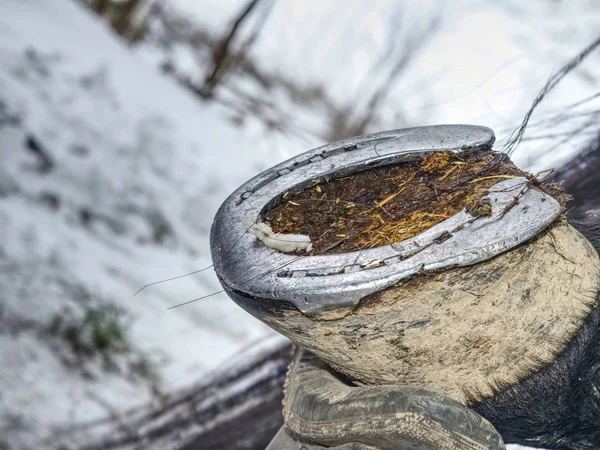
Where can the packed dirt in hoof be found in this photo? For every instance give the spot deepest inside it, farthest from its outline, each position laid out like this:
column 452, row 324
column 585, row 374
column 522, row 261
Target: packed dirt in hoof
column 388, row 204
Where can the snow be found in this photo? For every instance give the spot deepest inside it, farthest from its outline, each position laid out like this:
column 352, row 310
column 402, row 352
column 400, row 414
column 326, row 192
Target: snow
column 283, row 242
column 483, row 63
column 138, row 154
column 138, row 168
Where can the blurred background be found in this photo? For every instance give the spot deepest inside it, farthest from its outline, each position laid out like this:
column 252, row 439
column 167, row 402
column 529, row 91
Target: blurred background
column 125, row 123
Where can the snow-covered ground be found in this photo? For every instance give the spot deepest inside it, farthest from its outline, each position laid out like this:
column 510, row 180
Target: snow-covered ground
column 483, row 62
column 110, row 175
column 137, row 172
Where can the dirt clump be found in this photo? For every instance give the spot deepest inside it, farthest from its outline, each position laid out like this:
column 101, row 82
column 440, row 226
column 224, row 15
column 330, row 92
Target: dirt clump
column 388, row 204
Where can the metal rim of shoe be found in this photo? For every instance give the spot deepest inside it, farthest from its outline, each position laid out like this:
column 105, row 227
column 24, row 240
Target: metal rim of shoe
column 320, row 283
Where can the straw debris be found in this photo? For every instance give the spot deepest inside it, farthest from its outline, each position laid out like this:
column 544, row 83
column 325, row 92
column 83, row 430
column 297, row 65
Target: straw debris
column 388, row 204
